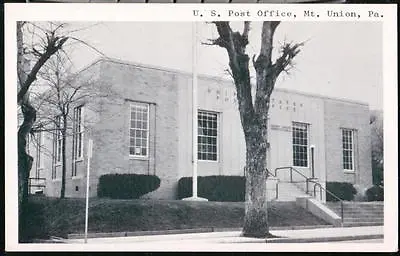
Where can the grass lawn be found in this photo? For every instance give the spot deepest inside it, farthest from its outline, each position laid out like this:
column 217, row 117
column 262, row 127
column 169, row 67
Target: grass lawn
column 56, row 217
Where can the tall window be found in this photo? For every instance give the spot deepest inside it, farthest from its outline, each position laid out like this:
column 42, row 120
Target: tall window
column 77, row 138
column 139, row 130
column 207, row 136
column 57, row 146
column 58, row 139
column 39, row 162
column 300, row 144
column 348, row 149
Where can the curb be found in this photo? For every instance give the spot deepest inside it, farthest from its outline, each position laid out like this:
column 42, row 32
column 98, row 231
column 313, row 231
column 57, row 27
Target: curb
column 323, row 239
column 309, row 239
column 142, row 233
column 181, row 231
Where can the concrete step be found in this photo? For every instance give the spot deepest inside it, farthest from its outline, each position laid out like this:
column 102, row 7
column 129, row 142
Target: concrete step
column 355, row 205
column 346, row 216
column 289, row 192
column 356, row 208
column 372, row 219
column 359, row 213
column 359, row 224
column 356, row 211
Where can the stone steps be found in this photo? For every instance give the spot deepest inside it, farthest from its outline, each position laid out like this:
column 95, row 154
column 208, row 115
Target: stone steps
column 358, row 219
column 359, row 213
column 289, row 192
column 359, row 224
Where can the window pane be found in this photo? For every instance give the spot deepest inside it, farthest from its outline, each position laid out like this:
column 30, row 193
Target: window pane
column 300, row 144
column 348, row 153
column 207, row 135
column 139, row 129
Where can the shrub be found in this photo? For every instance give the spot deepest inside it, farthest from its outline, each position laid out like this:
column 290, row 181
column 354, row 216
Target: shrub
column 343, row 190
column 126, row 186
column 215, row 188
column 375, row 193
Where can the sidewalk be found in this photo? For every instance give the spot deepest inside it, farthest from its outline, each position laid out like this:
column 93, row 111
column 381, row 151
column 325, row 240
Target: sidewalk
column 233, row 237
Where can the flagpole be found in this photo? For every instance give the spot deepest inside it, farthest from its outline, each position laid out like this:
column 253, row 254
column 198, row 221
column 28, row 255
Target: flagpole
column 194, row 115
column 194, row 110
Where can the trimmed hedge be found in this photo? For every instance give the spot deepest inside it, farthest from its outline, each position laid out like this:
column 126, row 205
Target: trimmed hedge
column 375, row 193
column 215, row 188
column 343, row 190
column 126, row 186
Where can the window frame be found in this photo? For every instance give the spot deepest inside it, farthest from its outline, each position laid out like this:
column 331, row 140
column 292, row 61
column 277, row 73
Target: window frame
column 307, row 146
column 140, row 105
column 217, row 114
column 352, row 150
column 58, row 142
column 39, row 159
column 75, row 137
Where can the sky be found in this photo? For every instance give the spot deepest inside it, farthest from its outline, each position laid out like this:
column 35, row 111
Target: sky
column 338, row 59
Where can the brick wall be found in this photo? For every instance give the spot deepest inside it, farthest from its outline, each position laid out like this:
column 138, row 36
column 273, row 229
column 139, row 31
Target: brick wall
column 169, row 95
column 340, row 115
column 110, row 132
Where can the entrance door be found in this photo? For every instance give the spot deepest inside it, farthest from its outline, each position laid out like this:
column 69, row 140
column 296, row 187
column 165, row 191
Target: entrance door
column 280, row 151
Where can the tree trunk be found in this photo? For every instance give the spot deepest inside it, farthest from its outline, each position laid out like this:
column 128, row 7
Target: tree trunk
column 63, row 155
column 24, row 165
column 254, row 118
column 256, row 217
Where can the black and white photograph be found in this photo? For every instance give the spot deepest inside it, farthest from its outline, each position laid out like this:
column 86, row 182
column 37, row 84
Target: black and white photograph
column 214, row 135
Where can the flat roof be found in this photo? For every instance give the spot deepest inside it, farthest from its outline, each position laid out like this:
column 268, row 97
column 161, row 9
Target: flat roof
column 215, row 78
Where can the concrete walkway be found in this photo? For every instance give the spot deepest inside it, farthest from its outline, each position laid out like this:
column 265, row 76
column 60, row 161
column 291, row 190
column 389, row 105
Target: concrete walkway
column 233, row 237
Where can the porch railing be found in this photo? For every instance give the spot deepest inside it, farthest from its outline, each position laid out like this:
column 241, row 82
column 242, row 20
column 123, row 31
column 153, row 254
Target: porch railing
column 39, row 183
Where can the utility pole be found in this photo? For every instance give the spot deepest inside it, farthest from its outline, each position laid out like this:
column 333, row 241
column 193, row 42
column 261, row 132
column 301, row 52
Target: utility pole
column 90, row 148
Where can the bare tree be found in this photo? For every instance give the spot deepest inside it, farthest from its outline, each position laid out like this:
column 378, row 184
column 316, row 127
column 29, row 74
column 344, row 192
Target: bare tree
column 254, row 117
column 376, row 124
column 49, row 42
column 37, row 42
column 54, row 105
column 65, row 90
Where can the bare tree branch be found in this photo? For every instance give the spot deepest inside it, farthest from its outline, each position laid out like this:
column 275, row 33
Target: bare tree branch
column 235, row 45
column 289, row 51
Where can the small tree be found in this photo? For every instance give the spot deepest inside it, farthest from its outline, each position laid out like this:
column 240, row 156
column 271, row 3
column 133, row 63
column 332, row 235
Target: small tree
column 63, row 91
column 254, row 117
column 376, row 124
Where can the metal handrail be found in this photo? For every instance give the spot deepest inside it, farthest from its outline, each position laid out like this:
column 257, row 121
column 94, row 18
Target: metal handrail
column 330, row 193
column 276, row 185
column 38, row 179
column 30, row 185
column 291, row 174
column 269, row 173
column 307, row 179
column 290, row 168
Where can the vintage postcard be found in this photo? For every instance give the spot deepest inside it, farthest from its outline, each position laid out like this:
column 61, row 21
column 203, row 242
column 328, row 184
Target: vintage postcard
column 201, row 127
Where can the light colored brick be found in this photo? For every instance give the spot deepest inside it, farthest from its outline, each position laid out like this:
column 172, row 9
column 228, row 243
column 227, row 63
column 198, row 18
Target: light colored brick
column 169, row 96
